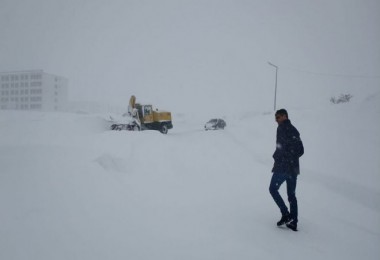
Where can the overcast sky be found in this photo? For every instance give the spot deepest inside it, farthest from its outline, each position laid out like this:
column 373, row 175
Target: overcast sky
column 211, row 54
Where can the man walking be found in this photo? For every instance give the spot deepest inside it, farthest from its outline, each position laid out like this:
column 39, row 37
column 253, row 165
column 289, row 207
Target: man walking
column 289, row 148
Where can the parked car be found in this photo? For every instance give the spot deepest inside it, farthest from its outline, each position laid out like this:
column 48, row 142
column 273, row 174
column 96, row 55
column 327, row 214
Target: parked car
column 215, row 124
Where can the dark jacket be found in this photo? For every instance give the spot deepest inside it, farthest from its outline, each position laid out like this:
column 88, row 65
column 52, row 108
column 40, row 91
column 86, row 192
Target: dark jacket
column 289, row 149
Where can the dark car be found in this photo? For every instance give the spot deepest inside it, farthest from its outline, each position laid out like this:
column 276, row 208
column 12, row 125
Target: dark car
column 215, row 124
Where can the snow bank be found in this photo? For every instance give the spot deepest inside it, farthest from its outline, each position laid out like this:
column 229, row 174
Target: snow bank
column 72, row 189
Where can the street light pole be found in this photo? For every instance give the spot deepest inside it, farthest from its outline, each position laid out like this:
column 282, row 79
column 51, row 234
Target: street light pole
column 275, row 86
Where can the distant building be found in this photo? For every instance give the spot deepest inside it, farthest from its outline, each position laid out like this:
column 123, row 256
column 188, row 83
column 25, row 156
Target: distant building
column 32, row 90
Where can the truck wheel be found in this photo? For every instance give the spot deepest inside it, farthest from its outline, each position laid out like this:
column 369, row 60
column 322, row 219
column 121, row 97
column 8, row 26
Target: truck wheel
column 164, row 129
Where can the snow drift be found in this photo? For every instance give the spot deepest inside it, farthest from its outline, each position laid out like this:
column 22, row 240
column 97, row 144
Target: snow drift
column 72, row 189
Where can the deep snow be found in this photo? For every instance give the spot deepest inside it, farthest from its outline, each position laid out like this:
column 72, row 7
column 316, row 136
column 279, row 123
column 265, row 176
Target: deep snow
column 72, row 189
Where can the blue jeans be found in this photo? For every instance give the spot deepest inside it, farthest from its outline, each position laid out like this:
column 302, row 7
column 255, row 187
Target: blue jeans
column 291, row 183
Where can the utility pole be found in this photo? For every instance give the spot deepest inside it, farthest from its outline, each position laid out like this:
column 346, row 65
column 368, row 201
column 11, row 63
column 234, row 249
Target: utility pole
column 275, row 86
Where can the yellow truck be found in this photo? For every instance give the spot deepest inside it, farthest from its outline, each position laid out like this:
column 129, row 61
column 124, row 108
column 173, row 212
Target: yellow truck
column 143, row 117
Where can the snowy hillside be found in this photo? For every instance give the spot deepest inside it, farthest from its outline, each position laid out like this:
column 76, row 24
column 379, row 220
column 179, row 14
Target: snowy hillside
column 72, row 189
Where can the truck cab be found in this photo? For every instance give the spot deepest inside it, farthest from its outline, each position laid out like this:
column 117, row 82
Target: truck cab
column 154, row 120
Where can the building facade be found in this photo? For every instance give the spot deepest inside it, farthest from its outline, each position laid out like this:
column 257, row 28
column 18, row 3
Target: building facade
column 33, row 90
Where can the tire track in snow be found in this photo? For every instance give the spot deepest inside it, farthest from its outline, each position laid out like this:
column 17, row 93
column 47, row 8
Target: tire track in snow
column 352, row 191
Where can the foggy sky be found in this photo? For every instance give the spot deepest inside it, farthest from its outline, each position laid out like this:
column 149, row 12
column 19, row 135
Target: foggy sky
column 211, row 54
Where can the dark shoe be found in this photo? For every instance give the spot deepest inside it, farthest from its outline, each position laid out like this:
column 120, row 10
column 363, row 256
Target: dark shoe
column 284, row 219
column 292, row 225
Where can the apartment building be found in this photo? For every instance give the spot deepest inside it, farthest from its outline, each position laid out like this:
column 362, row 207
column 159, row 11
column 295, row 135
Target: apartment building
column 33, row 90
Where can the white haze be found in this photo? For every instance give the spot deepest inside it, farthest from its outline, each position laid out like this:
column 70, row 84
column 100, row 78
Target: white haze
column 72, row 189
column 208, row 56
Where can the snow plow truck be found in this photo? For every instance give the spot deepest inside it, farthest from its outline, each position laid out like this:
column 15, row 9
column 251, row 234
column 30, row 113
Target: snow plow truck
column 143, row 117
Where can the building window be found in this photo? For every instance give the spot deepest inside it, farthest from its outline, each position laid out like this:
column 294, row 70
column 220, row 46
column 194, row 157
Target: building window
column 36, row 91
column 35, row 106
column 35, row 76
column 36, row 99
column 36, row 84
column 14, row 77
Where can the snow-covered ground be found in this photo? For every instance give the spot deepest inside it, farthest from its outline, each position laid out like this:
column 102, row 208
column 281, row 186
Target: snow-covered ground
column 72, row 189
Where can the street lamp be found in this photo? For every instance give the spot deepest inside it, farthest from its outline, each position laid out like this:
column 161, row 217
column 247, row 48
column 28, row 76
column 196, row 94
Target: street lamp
column 275, row 86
